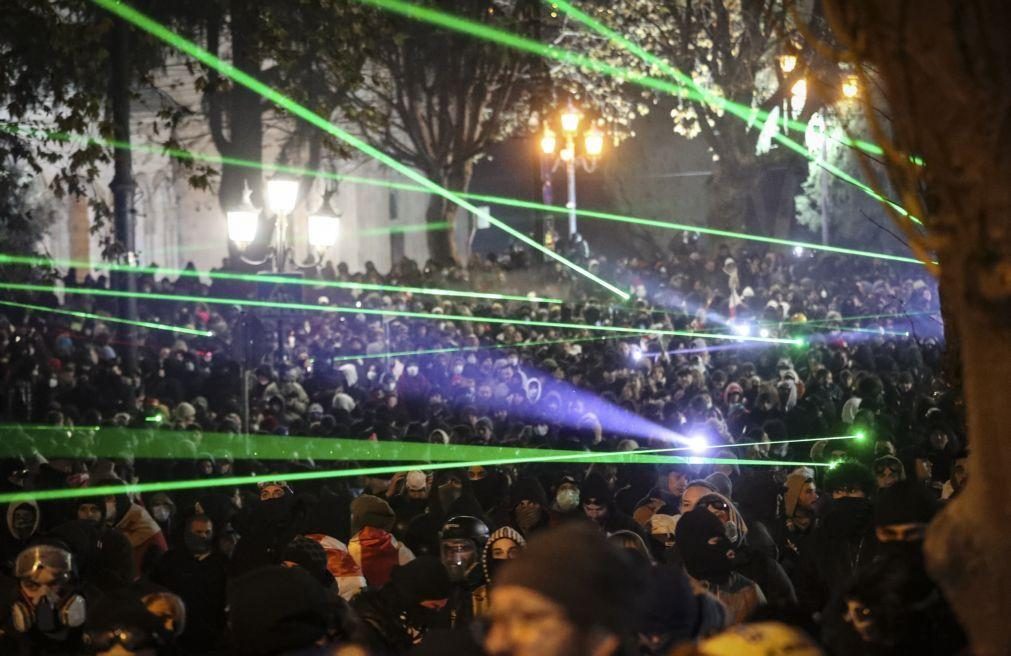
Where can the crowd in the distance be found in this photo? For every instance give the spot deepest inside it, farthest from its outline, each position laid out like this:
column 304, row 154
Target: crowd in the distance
column 817, row 553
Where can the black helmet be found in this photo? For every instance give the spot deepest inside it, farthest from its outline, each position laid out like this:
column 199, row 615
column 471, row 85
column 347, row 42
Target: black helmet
column 465, row 527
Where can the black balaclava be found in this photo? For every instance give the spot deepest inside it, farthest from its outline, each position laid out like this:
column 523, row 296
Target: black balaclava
column 704, row 561
column 848, row 517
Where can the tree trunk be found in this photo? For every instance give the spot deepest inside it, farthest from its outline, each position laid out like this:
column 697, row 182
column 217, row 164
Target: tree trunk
column 730, row 205
column 243, row 110
column 442, row 242
column 968, row 545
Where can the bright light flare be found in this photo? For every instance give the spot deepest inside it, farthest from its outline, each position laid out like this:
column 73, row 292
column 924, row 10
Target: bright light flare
column 594, row 142
column 324, row 230
column 242, row 226
column 548, row 141
column 282, row 195
column 570, row 120
column 698, row 444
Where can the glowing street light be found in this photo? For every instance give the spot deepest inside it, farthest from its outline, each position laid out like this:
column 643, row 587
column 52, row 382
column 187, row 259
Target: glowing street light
column 548, row 141
column 593, row 141
column 282, row 195
column 851, row 87
column 324, row 229
column 243, row 222
column 592, row 147
column 570, row 120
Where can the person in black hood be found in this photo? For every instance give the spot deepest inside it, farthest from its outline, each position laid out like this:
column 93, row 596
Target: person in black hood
column 598, row 506
column 396, row 617
column 197, row 573
column 529, row 502
column 22, row 524
column 843, row 540
column 451, row 495
column 901, row 515
column 272, row 523
column 708, row 556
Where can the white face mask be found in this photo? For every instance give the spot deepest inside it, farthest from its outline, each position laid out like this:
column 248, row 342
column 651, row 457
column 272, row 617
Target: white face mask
column 53, row 383
column 161, row 513
column 371, row 375
column 541, row 429
column 458, row 369
column 513, row 361
column 412, row 371
column 567, row 499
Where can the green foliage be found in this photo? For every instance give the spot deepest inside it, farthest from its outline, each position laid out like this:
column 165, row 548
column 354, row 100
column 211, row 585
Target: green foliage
column 26, row 213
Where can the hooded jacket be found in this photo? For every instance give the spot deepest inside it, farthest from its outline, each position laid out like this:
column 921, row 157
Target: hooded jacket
column 481, row 596
column 11, row 543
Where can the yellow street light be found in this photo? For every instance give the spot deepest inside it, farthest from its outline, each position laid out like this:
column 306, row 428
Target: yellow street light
column 548, row 141
column 851, row 86
column 593, row 141
column 570, row 120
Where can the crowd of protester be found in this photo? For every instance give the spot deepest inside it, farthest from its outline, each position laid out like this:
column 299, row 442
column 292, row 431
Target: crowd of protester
column 805, row 547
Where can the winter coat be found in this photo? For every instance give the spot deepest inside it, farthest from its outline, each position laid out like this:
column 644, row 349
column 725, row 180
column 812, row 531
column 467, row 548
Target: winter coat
column 201, row 584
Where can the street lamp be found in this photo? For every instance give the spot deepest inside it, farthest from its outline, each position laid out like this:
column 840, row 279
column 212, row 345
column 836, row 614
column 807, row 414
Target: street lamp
column 282, row 196
column 243, row 222
column 851, row 87
column 591, row 147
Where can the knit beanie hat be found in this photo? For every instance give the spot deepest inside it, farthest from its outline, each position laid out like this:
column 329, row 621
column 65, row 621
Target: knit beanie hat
column 368, row 510
column 311, row 556
column 794, row 486
column 722, row 483
column 423, row 579
column 906, row 502
column 594, row 490
column 574, row 566
column 528, row 488
column 274, row 609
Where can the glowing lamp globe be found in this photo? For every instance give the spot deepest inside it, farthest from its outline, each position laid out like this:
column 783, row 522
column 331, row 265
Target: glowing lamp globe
column 242, row 226
column 282, row 195
column 324, row 229
column 548, row 141
column 594, row 142
column 570, row 120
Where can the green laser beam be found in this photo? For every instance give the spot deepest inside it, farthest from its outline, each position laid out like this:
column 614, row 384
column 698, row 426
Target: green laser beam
column 745, row 113
column 455, row 349
column 337, row 309
column 36, row 261
column 88, row 315
column 164, row 443
column 494, row 200
column 231, row 481
column 159, row 31
column 407, row 228
column 517, row 42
